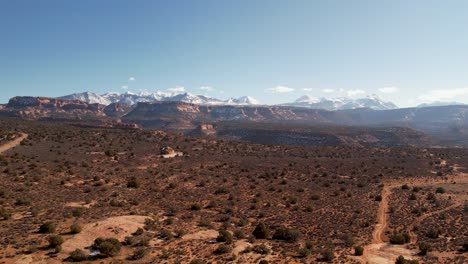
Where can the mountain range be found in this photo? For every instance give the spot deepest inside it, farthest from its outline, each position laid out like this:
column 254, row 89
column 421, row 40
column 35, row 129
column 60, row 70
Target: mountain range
column 129, row 98
column 448, row 124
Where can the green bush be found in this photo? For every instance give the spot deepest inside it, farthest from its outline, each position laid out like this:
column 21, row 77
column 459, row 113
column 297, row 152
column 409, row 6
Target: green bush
column 54, row 241
column 138, row 253
column 424, row 248
column 400, row 239
column 287, row 234
column 223, row 249
column 4, row 214
column 402, row 260
column 133, row 183
column 107, row 246
column 224, row 236
column 358, row 251
column 303, row 252
column 75, row 228
column 47, row 228
column 261, row 231
column 327, row 254
column 78, row 255
column 465, row 246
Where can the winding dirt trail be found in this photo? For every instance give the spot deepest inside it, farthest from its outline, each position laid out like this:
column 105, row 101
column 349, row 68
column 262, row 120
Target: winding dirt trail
column 380, row 252
column 13, row 143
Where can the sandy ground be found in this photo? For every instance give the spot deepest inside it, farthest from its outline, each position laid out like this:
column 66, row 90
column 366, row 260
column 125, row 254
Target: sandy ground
column 81, row 204
column 118, row 227
column 202, row 235
column 13, row 143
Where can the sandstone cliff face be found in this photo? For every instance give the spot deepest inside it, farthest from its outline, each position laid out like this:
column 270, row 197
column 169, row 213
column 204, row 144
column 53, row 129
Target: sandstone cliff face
column 43, row 107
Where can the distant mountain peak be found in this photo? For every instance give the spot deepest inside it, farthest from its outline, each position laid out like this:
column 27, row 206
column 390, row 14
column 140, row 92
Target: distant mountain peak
column 343, row 103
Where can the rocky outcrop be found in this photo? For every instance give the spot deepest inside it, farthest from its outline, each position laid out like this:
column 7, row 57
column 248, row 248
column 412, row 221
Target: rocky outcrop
column 117, row 109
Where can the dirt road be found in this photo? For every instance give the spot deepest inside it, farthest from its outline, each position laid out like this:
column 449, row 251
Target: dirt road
column 380, row 252
column 13, row 143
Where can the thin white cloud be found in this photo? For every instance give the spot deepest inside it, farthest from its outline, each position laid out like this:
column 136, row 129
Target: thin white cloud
column 131, row 79
column 124, row 87
column 207, row 88
column 389, row 90
column 328, row 90
column 308, row 89
column 444, row 94
column 355, row 92
column 281, row 89
column 177, row 89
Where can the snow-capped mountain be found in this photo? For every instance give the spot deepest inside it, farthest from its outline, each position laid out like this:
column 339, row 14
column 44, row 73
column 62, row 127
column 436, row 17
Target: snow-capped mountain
column 130, row 98
column 88, row 97
column 372, row 102
column 244, row 100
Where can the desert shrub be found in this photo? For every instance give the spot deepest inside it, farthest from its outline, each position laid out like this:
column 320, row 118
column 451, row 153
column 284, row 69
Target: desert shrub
column 133, row 183
column 107, row 246
column 413, row 197
column 327, row 254
column 432, row 233
column 358, row 251
column 263, row 261
column 166, row 234
column 405, row 187
column 303, row 252
column 287, row 234
column 4, row 214
column 224, row 236
column 76, row 212
column 139, row 231
column 22, row 200
column 195, row 207
column 261, row 231
column 424, row 248
column 378, row 198
column 78, row 255
column 138, row 253
column 440, row 190
column 47, row 228
column 31, row 249
column 261, row 249
column 223, row 249
column 465, row 246
column 239, row 234
column 54, row 241
column 179, row 233
column 431, row 197
column 402, row 260
column 400, row 239
column 75, row 228
column 315, row 197
column 308, row 244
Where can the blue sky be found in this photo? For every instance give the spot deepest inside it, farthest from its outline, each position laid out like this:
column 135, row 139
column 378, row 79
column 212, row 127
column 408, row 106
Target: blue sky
column 405, row 51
